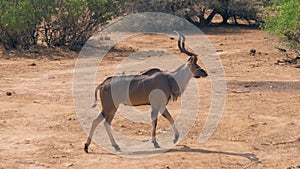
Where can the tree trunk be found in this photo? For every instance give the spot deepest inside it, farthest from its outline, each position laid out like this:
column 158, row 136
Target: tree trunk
column 235, row 20
column 210, row 17
column 201, row 17
column 225, row 18
column 188, row 18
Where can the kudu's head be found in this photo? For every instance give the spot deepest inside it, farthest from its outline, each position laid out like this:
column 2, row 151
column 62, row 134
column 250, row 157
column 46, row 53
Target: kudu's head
column 192, row 61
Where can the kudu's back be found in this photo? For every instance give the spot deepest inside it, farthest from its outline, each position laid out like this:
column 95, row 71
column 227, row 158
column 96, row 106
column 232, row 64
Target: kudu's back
column 136, row 90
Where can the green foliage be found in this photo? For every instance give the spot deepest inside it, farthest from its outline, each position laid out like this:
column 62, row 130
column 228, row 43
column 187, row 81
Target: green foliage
column 18, row 23
column 72, row 22
column 283, row 19
column 24, row 23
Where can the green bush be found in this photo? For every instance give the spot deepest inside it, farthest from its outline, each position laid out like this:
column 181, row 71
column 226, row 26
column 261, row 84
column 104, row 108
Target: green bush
column 18, row 24
column 283, row 19
column 70, row 23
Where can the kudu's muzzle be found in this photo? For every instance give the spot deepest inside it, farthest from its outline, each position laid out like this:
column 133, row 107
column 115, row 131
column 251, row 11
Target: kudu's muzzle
column 201, row 73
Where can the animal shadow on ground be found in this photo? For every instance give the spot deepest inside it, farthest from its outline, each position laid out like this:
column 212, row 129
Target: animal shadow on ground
column 186, row 149
column 249, row 156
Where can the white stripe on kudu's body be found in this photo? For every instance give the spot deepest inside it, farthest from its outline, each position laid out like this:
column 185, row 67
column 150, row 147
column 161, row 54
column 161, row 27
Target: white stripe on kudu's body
column 154, row 87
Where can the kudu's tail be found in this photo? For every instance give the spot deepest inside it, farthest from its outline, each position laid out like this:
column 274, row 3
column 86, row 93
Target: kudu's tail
column 96, row 93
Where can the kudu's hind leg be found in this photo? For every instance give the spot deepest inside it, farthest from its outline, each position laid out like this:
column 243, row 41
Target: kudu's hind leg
column 168, row 116
column 107, row 125
column 95, row 123
column 154, row 114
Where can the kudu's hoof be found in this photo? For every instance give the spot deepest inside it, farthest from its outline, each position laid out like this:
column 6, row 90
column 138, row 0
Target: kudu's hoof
column 155, row 144
column 86, row 148
column 117, row 148
column 176, row 139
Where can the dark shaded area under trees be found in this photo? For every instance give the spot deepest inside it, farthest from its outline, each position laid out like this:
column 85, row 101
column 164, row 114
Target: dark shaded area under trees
column 202, row 12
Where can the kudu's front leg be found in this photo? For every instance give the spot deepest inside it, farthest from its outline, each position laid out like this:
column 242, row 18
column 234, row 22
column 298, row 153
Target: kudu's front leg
column 168, row 116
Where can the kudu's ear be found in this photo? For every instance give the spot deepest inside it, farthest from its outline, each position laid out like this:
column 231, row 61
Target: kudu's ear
column 193, row 59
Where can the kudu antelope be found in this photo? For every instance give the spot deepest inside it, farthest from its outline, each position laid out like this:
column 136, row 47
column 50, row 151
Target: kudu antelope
column 140, row 88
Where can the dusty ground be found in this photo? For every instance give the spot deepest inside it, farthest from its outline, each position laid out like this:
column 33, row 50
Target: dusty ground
column 259, row 128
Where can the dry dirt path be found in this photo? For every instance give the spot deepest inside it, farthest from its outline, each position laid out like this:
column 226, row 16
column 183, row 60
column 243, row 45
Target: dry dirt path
column 260, row 127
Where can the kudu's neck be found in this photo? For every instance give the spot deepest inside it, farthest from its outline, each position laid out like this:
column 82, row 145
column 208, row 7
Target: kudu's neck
column 182, row 76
